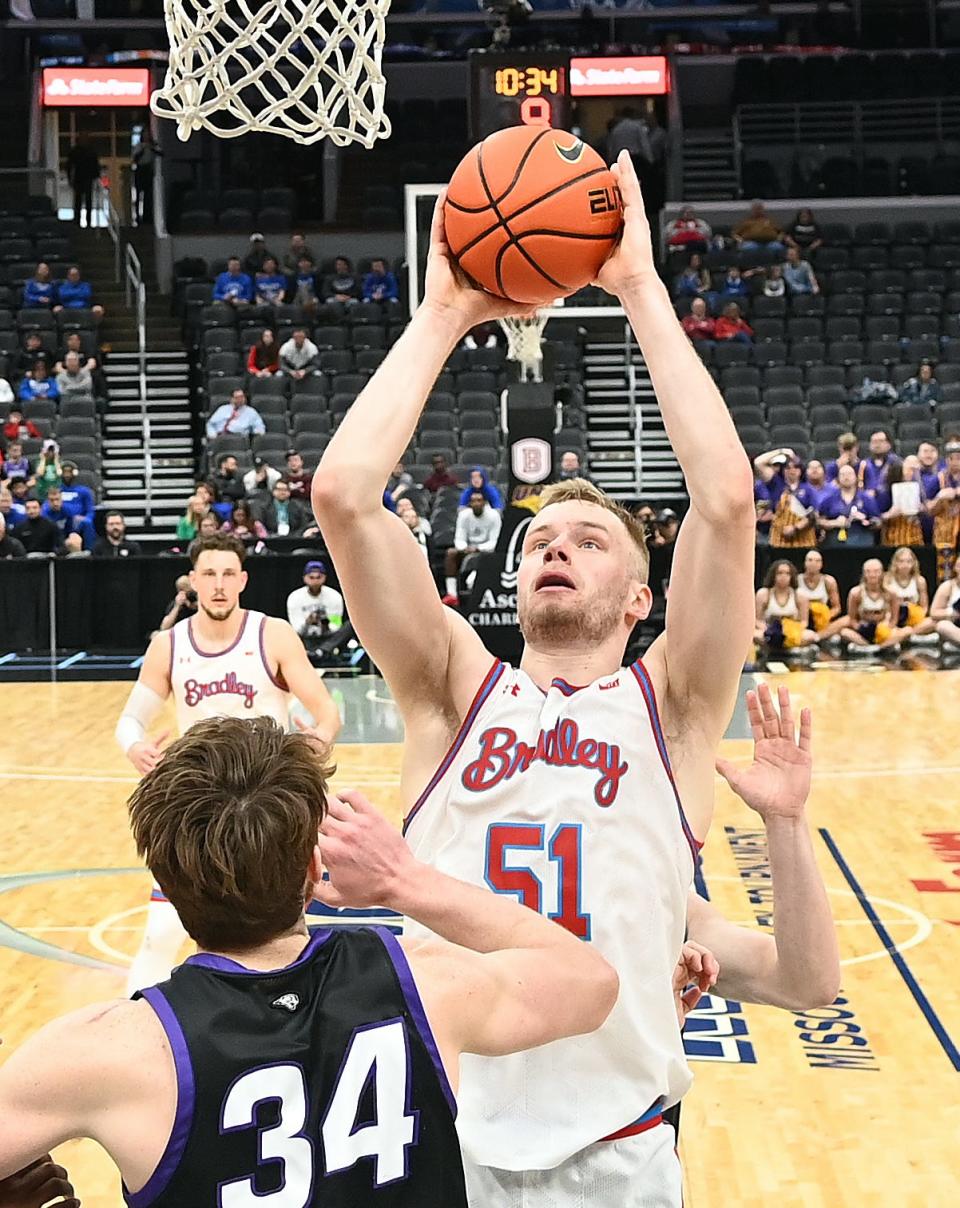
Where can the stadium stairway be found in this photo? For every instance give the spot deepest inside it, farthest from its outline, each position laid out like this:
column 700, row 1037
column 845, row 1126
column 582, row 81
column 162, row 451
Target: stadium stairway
column 612, row 425
column 710, row 166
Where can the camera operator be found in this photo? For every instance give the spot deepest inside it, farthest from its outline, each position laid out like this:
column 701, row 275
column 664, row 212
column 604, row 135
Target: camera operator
column 184, row 604
column 316, row 611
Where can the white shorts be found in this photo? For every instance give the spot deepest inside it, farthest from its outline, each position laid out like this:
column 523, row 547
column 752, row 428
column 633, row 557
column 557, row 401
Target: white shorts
column 637, row 1172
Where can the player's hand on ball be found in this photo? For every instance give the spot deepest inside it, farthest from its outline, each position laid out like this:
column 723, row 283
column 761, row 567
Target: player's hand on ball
column 631, row 264
column 365, row 857
column 147, row 754
column 38, row 1184
column 448, row 290
column 697, row 970
column 777, row 783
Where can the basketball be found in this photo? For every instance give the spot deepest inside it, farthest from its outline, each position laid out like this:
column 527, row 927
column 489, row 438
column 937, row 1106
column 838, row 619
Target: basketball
column 532, row 213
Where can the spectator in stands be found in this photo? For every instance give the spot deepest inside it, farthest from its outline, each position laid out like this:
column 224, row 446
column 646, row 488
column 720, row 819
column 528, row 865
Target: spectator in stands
column 816, row 477
column 439, row 476
column 264, row 358
column 794, row 524
column 209, row 525
column 19, row 493
column 822, row 595
column 907, row 589
column 478, row 527
column 479, row 481
column 874, row 468
column 848, row 454
column 799, row 275
column 803, row 233
column 399, row 482
column 380, row 285
column 83, row 168
column 76, row 294
column 695, row 281
column 10, row 547
column 783, row 612
column 570, row 467
column 188, row 526
column 269, row 285
column 943, row 504
column 299, row 356
column 54, row 510
column 15, row 465
column 114, row 542
column 764, row 511
column 6, row 392
column 77, row 498
column 38, row 384
column 48, row 472
column 732, row 326
column 697, row 324
column 849, row 514
column 257, row 255
column 74, row 382
column 923, row 388
column 734, row 285
column 40, row 291
column 18, row 428
column 928, row 455
column 297, row 251
column 234, row 287
column 628, row 132
column 227, row 482
column 315, row 610
column 758, row 230
column 666, row 525
column 303, row 285
column 259, row 482
column 182, row 606
column 342, row 284
column 417, row 524
column 74, row 343
column 244, row 524
column 774, row 286
column 236, row 418
column 870, row 611
column 484, row 335
column 143, row 162
column 283, row 516
column 37, row 534
column 687, row 231
column 945, row 608
column 297, row 476
column 33, row 350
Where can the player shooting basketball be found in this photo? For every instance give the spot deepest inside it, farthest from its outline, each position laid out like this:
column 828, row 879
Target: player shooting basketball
column 560, row 782
column 226, row 661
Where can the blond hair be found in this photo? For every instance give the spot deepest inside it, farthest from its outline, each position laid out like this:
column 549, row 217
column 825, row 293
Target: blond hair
column 579, row 490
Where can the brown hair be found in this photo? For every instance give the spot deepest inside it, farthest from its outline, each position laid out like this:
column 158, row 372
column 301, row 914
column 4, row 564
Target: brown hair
column 770, row 577
column 227, row 822
column 582, row 491
column 847, row 441
column 217, row 541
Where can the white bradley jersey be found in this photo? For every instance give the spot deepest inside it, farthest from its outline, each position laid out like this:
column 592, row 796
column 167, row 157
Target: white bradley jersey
column 236, row 682
column 565, row 800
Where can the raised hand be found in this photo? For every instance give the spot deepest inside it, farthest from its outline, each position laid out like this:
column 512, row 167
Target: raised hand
column 777, row 783
column 697, row 970
column 365, row 857
column 631, row 263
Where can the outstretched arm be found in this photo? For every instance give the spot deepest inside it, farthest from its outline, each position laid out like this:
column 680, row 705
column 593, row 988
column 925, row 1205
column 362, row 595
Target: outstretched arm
column 390, row 593
column 798, row 967
column 710, row 607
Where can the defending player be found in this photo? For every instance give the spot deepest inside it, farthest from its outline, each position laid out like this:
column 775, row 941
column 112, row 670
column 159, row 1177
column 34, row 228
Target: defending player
column 226, row 661
column 560, row 782
column 273, row 1068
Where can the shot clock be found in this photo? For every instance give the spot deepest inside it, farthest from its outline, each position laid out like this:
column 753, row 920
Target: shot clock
column 529, row 89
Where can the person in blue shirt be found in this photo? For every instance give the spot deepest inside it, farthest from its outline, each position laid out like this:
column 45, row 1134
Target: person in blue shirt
column 41, row 289
column 19, row 491
column 816, row 477
column 734, row 285
column 480, row 482
column 55, row 510
column 78, row 499
column 849, row 515
column 38, row 385
column 233, row 287
column 799, row 276
column 380, row 285
column 874, row 468
column 270, row 285
column 236, row 418
column 15, row 465
column 848, row 454
column 76, row 294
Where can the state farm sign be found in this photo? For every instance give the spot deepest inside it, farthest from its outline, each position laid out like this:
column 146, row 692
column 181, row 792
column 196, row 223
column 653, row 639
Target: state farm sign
column 640, row 75
column 87, row 86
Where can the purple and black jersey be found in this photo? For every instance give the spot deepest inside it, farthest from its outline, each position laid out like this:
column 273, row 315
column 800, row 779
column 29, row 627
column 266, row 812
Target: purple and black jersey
column 319, row 1084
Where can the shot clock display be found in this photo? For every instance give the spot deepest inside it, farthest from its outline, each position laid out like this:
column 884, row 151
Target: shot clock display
column 517, row 89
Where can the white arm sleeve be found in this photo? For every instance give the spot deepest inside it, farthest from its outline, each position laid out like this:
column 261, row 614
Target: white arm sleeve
column 143, row 705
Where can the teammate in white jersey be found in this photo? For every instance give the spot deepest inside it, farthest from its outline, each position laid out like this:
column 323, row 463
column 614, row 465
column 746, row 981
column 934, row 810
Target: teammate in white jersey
column 226, row 661
column 560, row 782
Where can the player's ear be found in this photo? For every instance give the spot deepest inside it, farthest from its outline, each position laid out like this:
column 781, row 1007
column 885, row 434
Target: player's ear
column 315, row 867
column 641, row 600
column 243, row 579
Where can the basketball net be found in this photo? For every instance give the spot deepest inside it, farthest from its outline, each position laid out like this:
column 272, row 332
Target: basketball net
column 304, row 69
column 525, row 342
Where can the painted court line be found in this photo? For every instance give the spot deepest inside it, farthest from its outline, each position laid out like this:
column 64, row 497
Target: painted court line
column 901, row 965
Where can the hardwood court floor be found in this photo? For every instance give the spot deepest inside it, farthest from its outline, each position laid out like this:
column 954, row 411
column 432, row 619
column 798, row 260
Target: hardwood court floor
column 858, row 1106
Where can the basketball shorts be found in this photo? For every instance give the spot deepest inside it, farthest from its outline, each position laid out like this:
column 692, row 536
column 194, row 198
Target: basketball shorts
column 642, row 1171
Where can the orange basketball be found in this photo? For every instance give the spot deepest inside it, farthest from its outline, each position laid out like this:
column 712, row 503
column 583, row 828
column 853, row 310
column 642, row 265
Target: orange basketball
column 532, row 213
